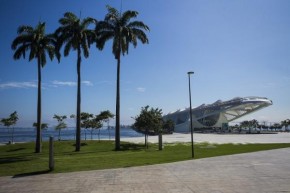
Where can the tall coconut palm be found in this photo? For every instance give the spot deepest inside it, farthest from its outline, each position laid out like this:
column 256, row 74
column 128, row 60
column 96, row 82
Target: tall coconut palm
column 74, row 34
column 38, row 44
column 118, row 27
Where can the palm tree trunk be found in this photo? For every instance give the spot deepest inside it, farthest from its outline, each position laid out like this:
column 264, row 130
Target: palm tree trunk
column 117, row 135
column 38, row 130
column 78, row 123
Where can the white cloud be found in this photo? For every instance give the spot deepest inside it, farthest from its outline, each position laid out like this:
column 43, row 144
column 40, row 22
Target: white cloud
column 33, row 84
column 57, row 83
column 141, row 89
column 18, row 85
column 87, row 83
column 63, row 83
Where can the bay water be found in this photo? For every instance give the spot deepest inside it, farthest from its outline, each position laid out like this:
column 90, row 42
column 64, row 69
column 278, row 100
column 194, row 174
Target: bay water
column 29, row 134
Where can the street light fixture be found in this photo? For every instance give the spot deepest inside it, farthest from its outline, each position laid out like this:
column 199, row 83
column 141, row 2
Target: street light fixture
column 190, row 110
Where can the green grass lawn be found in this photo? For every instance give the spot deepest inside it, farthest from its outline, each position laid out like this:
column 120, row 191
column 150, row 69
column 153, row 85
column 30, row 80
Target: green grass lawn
column 20, row 159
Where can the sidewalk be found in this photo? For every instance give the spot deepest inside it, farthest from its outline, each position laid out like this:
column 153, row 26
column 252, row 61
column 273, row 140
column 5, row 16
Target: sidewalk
column 265, row 171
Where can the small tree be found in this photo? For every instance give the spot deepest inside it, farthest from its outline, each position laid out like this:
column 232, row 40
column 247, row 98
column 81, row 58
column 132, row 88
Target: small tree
column 277, row 126
column 168, row 126
column 149, row 121
column 86, row 121
column 95, row 123
column 286, row 123
column 43, row 125
column 61, row 124
column 244, row 124
column 253, row 124
column 105, row 116
column 11, row 120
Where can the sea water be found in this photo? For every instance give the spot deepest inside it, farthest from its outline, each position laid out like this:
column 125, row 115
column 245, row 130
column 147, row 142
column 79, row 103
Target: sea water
column 29, row 134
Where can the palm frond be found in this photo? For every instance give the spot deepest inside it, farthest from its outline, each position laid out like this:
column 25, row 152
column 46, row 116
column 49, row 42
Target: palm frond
column 67, row 48
column 112, row 11
column 68, row 19
column 19, row 40
column 24, row 29
column 51, row 52
column 70, row 16
column 121, row 30
column 33, row 52
column 132, row 38
column 116, row 47
column 140, row 35
column 124, row 45
column 104, row 26
column 138, row 24
column 20, row 52
column 84, row 45
column 103, row 38
column 88, row 21
column 40, row 29
column 91, row 37
column 127, row 16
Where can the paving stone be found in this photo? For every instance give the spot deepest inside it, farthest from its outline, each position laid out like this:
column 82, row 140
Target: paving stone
column 265, row 171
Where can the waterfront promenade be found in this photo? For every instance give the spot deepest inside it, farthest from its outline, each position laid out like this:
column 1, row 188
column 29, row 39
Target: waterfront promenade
column 265, row 171
column 260, row 172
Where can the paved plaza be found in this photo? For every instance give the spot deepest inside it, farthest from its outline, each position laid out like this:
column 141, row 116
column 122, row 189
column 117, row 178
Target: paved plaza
column 265, row 171
column 217, row 138
column 260, row 172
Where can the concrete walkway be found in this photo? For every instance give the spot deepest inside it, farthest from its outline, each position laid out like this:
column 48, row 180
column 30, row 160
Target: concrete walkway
column 265, row 171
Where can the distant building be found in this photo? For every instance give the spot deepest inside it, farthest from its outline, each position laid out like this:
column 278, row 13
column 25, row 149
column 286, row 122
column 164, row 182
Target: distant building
column 217, row 114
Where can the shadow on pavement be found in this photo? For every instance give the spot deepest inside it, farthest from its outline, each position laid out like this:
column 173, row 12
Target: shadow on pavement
column 31, row 174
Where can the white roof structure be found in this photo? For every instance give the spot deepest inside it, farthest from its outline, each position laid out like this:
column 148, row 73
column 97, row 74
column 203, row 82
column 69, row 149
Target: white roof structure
column 217, row 113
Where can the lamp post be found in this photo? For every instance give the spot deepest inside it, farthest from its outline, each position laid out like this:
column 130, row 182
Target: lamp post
column 190, row 111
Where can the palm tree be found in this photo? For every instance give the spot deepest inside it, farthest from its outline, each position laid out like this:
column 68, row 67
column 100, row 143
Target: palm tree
column 39, row 44
column 74, row 34
column 117, row 26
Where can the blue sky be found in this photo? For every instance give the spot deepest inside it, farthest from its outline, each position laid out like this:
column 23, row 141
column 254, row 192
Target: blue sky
column 236, row 48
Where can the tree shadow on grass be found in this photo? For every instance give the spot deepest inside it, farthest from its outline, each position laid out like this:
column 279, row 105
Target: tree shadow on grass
column 13, row 159
column 132, row 147
column 82, row 144
column 17, row 149
column 32, row 173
